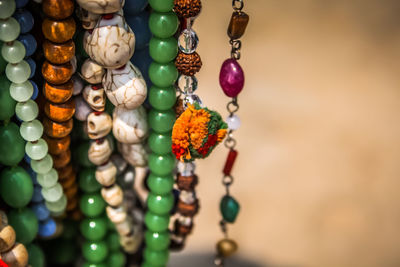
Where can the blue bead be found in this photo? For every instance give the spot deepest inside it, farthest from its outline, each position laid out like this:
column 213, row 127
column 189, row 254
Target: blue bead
column 132, row 7
column 25, row 20
column 29, row 42
column 35, row 90
column 21, row 3
column 32, row 64
column 26, row 157
column 37, row 194
column 176, row 194
column 141, row 59
column 32, row 174
column 140, row 26
column 41, row 211
column 47, row 228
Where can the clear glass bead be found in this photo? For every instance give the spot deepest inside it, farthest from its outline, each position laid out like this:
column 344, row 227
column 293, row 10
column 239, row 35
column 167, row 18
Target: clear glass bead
column 19, row 72
column 27, row 111
column 9, row 29
column 52, row 194
column 186, row 168
column 57, row 206
column 192, row 98
column 42, row 166
column 187, row 84
column 188, row 41
column 21, row 92
column 37, row 149
column 31, row 130
column 13, row 52
column 48, row 179
column 233, row 122
column 7, row 8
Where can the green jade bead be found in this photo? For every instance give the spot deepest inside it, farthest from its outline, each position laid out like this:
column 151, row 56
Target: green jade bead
column 229, row 208
column 31, row 130
column 87, row 180
column 161, row 164
column 7, row 8
column 43, row 165
column 12, row 148
column 61, row 252
column 89, row 264
column 25, row 224
column 21, row 92
column 156, row 258
column 160, row 143
column 95, row 252
column 161, row 121
column 156, row 223
column 116, row 259
column 7, row 103
column 58, row 206
column 160, row 205
column 163, row 24
column 81, row 155
column 70, row 230
column 16, row 187
column 113, row 241
column 47, row 179
column 162, row 98
column 162, row 75
column 27, row 111
column 94, row 229
column 163, row 50
column 160, row 185
column 161, row 5
column 37, row 149
column 9, row 29
column 13, row 52
column 157, row 241
column 53, row 194
column 19, row 72
column 36, row 256
column 92, row 205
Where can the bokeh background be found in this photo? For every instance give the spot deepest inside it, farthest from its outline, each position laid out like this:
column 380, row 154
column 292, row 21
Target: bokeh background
column 318, row 170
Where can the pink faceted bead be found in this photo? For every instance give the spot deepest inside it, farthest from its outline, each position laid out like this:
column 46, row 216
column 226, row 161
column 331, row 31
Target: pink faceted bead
column 231, row 77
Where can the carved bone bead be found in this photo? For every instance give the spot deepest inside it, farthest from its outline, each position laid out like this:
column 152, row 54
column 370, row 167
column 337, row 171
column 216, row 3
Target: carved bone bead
column 116, row 215
column 132, row 242
column 16, row 257
column 92, row 72
column 113, row 195
column 88, row 19
column 124, row 228
column 130, row 126
column 101, row 6
column 94, row 96
column 100, row 151
column 98, row 125
column 106, row 174
column 7, row 238
column 135, row 154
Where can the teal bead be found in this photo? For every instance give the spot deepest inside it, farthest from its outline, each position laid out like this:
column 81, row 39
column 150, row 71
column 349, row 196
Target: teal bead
column 18, row 73
column 162, row 98
column 31, row 130
column 92, row 205
column 90, row 264
column 156, row 258
column 81, row 155
column 161, row 121
column 95, row 252
column 21, row 92
column 9, row 29
column 7, row 103
column 163, row 50
column 25, row 224
column 160, row 143
column 160, row 185
column 16, row 187
column 36, row 149
column 36, row 256
column 13, row 52
column 47, row 179
column 27, row 111
column 113, row 241
column 156, row 223
column 161, row 5
column 94, row 229
column 87, row 180
column 163, row 75
column 7, row 8
column 42, row 166
column 12, row 148
column 116, row 259
column 58, row 206
column 52, row 194
column 161, row 164
column 229, row 208
column 163, row 25
column 157, row 241
column 160, row 205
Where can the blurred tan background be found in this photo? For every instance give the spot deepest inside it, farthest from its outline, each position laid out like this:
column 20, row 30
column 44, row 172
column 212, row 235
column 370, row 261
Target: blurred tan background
column 318, row 172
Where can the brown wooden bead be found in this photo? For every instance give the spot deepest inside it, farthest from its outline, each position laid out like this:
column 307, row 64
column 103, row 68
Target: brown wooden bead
column 61, row 160
column 71, row 192
column 58, row 31
column 72, row 204
column 188, row 209
column 186, row 182
column 60, row 112
column 57, row 129
column 58, row 93
column 76, row 215
column 187, row 8
column 188, row 64
column 57, row 74
column 16, row 257
column 237, row 25
column 57, row 145
column 66, row 172
column 58, row 9
column 7, row 238
column 68, row 181
column 59, row 53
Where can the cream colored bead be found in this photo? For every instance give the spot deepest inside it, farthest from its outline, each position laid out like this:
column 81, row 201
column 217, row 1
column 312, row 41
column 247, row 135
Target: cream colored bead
column 100, row 151
column 106, row 174
column 131, row 243
column 88, row 19
column 82, row 109
column 130, row 126
column 112, row 195
column 98, row 125
column 15, row 257
column 124, row 227
column 7, row 238
column 134, row 154
column 94, row 97
column 101, row 6
column 116, row 215
column 92, row 72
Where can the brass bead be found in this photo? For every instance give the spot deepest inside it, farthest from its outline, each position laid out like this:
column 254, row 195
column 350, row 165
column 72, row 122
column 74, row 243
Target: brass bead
column 7, row 238
column 188, row 64
column 226, row 247
column 187, row 8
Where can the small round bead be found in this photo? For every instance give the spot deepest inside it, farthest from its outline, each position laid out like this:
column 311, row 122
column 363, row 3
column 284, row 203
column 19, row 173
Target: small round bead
column 58, row 31
column 161, row 164
column 35, row 90
column 233, row 122
column 58, row 93
column 163, row 75
column 188, row 64
column 7, row 103
column 163, row 25
column 156, row 222
column 17, row 256
column 60, row 112
column 92, row 205
column 41, row 212
column 25, row 224
column 25, row 20
column 7, row 238
column 187, row 8
column 52, row 194
column 160, row 143
column 27, row 111
column 162, row 98
column 59, row 53
column 57, row 129
column 16, row 187
column 117, row 259
column 95, row 252
column 94, row 229
column 47, row 179
column 160, row 204
column 7, row 8
column 161, row 121
column 188, row 41
column 163, row 50
column 226, row 247
column 32, row 66
column 19, row 72
column 31, row 130
column 13, row 52
column 42, row 166
column 58, row 9
column 21, row 92
column 87, row 181
column 161, row 5
column 160, row 185
column 157, row 241
column 21, row 3
column 29, row 43
column 37, row 149
column 9, row 29
column 57, row 206
column 57, row 74
column 37, row 195
column 61, row 160
column 36, row 256
column 156, row 258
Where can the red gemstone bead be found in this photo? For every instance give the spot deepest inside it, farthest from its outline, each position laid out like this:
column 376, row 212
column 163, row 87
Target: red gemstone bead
column 230, row 160
column 231, row 77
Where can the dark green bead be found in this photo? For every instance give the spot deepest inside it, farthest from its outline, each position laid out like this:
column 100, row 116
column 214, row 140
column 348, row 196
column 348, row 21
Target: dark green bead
column 3, row 62
column 89, row 264
column 70, row 229
column 7, row 103
column 12, row 148
column 163, row 24
column 94, row 229
column 163, row 75
column 229, row 208
column 161, row 164
column 113, row 241
column 157, row 240
column 92, row 205
column 163, row 50
column 110, row 225
column 160, row 143
column 16, row 187
column 81, row 155
column 162, row 98
column 156, row 258
column 95, row 252
column 62, row 252
column 116, row 259
column 36, row 256
column 161, row 5
column 87, row 180
column 25, row 224
column 161, row 121
column 160, row 185
column 156, row 223
column 160, row 205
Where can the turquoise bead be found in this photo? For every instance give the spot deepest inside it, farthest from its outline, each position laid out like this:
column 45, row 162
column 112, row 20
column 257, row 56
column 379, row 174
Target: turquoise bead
column 52, row 194
column 18, row 73
column 27, row 111
column 156, row 258
column 92, row 205
column 42, row 166
column 7, row 103
column 31, row 130
column 160, row 205
column 229, row 208
column 160, row 143
column 16, row 187
column 161, row 164
column 160, row 185
column 162, row 75
column 12, row 148
column 9, row 29
column 116, row 259
column 157, row 240
column 57, row 206
column 87, row 180
column 156, row 223
column 13, row 52
column 94, row 229
column 47, row 179
column 25, row 224
column 161, row 5
column 163, row 50
column 7, row 8
column 95, row 252
column 37, row 149
column 163, row 25
column 21, row 92
column 161, row 121
column 113, row 241
column 162, row 98
column 36, row 256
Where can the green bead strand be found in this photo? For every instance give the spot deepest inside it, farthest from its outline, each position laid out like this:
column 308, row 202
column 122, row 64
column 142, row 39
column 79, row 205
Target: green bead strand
column 25, row 224
column 160, row 204
column 16, row 187
column 162, row 75
column 162, row 98
column 163, row 50
column 157, row 241
column 9, row 29
column 162, row 5
column 19, row 72
column 13, row 52
column 163, row 24
column 37, row 149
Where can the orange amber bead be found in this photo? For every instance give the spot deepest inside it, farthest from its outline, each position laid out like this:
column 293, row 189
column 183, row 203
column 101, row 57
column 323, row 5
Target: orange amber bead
column 60, row 112
column 58, row 93
column 64, row 173
column 58, row 9
column 59, row 53
column 56, row 145
column 72, row 204
column 61, row 160
column 69, row 181
column 57, row 129
column 58, row 31
column 57, row 74
column 71, row 192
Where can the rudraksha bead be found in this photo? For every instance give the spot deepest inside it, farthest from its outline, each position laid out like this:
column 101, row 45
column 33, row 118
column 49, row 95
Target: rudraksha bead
column 188, row 64
column 58, row 9
column 187, row 8
column 59, row 53
column 186, row 182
